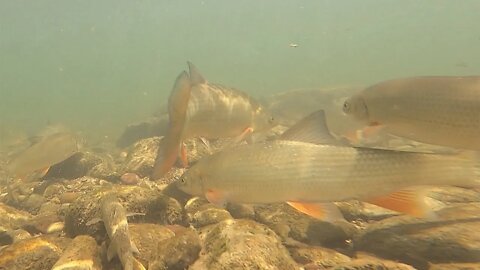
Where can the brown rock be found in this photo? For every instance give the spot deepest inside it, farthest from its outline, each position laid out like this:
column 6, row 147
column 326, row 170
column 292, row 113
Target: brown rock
column 146, row 237
column 317, row 256
column 242, row 244
column 455, row 266
column 82, row 253
column 141, row 157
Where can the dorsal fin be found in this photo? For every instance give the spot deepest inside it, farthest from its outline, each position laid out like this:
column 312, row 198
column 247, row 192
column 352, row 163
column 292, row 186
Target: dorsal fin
column 195, row 76
column 312, row 129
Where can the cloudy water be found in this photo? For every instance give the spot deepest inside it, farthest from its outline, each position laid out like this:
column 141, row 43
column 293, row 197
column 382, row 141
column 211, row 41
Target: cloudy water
column 81, row 81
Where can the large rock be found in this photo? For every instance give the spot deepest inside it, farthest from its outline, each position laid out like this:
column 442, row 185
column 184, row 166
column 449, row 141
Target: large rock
column 453, row 237
column 178, row 252
column 455, row 266
column 141, row 157
column 366, row 262
column 312, row 257
column 289, row 223
column 81, row 253
column 146, row 237
column 201, row 213
column 38, row 253
column 242, row 244
column 11, row 218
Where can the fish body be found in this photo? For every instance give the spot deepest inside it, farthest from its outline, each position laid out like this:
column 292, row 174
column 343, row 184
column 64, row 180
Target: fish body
column 436, row 110
column 282, row 171
column 114, row 218
column 46, row 152
column 198, row 108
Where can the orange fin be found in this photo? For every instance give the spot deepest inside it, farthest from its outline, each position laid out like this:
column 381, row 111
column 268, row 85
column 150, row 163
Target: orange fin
column 323, row 211
column 407, row 201
column 183, row 155
column 216, row 197
column 245, row 133
column 42, row 172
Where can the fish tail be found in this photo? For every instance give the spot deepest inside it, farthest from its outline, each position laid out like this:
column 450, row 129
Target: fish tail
column 177, row 111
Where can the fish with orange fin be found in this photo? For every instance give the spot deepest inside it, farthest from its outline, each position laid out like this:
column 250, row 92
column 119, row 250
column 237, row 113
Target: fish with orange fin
column 46, row 151
column 435, row 110
column 198, row 108
column 311, row 174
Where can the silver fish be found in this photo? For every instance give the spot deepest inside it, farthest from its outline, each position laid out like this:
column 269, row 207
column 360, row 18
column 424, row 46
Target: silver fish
column 435, row 110
column 307, row 175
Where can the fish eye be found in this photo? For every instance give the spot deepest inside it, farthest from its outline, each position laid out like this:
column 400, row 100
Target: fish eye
column 271, row 120
column 346, row 107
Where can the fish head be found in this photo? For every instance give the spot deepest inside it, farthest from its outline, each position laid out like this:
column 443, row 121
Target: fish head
column 263, row 120
column 356, row 107
column 191, row 181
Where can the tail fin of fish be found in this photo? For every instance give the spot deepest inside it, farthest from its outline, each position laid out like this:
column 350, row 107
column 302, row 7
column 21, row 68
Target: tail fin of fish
column 177, row 110
column 312, row 129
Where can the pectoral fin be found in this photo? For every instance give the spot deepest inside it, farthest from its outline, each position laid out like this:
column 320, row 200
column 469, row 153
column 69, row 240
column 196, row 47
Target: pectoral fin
column 407, row 201
column 323, row 211
column 245, row 134
column 111, row 251
column 216, row 197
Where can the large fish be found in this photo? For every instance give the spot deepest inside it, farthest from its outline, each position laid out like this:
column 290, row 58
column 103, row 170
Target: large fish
column 198, row 108
column 436, row 110
column 114, row 218
column 309, row 175
column 45, row 152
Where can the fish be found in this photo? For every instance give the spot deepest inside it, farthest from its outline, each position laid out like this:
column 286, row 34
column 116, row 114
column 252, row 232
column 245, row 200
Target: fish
column 198, row 108
column 114, row 219
column 44, row 153
column 81, row 254
column 311, row 175
column 435, row 110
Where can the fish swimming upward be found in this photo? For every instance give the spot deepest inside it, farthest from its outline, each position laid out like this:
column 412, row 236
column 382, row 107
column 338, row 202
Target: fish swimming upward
column 198, row 108
column 48, row 151
column 436, row 110
column 114, row 218
column 308, row 175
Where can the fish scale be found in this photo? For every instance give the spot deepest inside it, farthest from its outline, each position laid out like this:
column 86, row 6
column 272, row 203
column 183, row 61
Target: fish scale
column 287, row 170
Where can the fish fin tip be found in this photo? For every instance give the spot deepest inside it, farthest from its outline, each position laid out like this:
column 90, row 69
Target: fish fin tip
column 312, row 129
column 195, row 76
column 184, row 155
column 323, row 211
column 244, row 135
column 111, row 252
column 407, row 201
column 134, row 248
column 216, row 197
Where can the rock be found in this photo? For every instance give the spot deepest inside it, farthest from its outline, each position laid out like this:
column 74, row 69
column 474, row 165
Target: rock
column 209, row 216
column 453, row 237
column 49, row 207
column 13, row 236
column 369, row 262
column 357, row 210
column 157, row 208
column 82, row 253
column 106, row 169
column 44, row 223
column 289, row 223
column 146, row 237
column 38, row 253
column 32, row 203
column 11, row 218
column 75, row 166
column 178, row 252
column 242, row 244
column 130, row 178
column 455, row 266
column 156, row 126
column 239, row 211
column 314, row 256
column 141, row 157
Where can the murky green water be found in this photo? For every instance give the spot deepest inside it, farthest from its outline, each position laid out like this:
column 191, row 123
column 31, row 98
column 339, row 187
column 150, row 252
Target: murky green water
column 98, row 65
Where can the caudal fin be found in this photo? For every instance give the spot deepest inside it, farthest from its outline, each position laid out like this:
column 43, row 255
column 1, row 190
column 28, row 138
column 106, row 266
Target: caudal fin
column 177, row 110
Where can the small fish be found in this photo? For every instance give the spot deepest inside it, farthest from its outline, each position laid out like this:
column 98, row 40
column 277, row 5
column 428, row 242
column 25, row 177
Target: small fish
column 114, row 219
column 81, row 254
column 47, row 151
column 309, row 176
column 435, row 110
column 198, row 108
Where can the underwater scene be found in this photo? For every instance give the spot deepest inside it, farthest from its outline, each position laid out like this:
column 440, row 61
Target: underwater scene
column 328, row 135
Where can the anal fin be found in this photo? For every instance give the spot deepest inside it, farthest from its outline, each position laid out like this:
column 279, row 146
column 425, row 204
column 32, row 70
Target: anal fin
column 323, row 211
column 245, row 134
column 216, row 197
column 407, row 201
